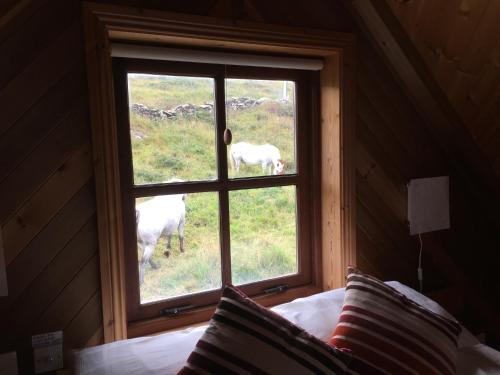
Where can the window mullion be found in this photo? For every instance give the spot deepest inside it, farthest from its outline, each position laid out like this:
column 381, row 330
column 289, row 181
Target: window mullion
column 220, row 112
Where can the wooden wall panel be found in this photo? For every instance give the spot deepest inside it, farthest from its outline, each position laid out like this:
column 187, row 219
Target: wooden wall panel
column 47, row 201
column 458, row 40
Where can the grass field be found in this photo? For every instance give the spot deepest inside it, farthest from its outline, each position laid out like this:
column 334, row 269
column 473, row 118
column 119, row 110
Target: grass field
column 263, row 229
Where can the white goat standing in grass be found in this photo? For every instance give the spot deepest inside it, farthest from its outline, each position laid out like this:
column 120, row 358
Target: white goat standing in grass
column 160, row 216
column 267, row 155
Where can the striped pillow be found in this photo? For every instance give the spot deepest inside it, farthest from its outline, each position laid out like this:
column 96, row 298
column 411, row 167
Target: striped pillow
column 392, row 333
column 246, row 338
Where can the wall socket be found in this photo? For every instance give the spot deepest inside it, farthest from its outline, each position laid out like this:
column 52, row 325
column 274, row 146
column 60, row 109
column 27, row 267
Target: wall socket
column 47, row 351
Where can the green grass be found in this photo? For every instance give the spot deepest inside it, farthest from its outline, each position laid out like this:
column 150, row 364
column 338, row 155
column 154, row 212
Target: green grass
column 263, row 229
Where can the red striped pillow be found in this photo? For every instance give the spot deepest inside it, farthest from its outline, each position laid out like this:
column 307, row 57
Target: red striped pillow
column 246, row 338
column 388, row 331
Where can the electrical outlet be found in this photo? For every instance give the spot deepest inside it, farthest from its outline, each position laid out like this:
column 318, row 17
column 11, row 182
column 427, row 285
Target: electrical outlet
column 47, row 351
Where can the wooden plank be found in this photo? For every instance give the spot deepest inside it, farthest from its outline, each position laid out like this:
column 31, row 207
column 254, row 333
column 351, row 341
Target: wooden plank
column 385, row 135
column 24, row 135
column 365, row 265
column 86, row 279
column 484, row 115
column 386, row 80
column 425, row 21
column 22, row 47
column 337, row 135
column 106, row 174
column 46, row 70
column 441, row 26
column 485, row 87
column 404, row 125
column 40, row 303
column 72, row 299
column 10, row 22
column 484, row 39
column 44, row 247
column 490, row 145
column 445, row 70
column 458, row 42
column 384, row 154
column 399, row 267
column 373, row 256
column 46, row 202
column 40, row 164
column 395, row 228
column 408, row 13
column 458, row 92
column 83, row 326
column 330, row 179
column 374, row 174
column 96, row 339
column 10, row 9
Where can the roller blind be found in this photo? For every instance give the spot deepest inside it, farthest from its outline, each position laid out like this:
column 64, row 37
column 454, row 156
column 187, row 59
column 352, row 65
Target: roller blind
column 209, row 57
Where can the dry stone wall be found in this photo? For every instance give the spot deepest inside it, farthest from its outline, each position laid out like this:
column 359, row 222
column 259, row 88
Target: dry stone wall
column 191, row 109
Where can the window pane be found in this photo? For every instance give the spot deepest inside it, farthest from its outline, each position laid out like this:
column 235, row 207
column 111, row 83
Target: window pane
column 192, row 263
column 263, row 233
column 172, row 128
column 261, row 116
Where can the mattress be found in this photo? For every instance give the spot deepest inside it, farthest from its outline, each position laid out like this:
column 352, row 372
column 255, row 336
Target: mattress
column 318, row 314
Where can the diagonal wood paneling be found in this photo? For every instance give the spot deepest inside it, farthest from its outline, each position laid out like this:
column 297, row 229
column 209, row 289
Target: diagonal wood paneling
column 47, row 204
column 458, row 40
column 46, row 70
column 44, row 160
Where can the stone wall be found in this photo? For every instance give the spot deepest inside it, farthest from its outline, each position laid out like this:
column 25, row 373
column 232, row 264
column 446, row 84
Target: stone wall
column 191, row 109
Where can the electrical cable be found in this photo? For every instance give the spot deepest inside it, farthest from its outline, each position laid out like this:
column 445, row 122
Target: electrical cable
column 420, row 271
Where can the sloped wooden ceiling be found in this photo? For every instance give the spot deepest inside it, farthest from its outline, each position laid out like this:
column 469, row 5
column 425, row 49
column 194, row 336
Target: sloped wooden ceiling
column 459, row 42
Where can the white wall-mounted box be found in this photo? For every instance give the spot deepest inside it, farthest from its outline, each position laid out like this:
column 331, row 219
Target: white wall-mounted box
column 428, row 204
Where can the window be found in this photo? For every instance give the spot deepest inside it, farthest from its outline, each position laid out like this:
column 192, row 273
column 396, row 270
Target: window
column 116, row 192
column 201, row 212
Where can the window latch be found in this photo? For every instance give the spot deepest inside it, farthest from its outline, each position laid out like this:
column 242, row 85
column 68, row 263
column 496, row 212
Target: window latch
column 277, row 289
column 174, row 311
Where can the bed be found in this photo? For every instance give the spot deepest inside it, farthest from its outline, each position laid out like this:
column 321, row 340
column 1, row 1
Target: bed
column 318, row 314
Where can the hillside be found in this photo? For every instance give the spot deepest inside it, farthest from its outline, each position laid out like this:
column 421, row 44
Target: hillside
column 180, row 142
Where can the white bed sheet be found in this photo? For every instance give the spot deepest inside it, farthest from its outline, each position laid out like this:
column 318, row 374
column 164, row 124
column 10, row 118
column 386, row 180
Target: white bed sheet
column 317, row 314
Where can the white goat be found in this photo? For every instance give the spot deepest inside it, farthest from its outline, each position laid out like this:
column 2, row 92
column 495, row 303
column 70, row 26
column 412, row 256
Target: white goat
column 267, row 155
column 160, row 216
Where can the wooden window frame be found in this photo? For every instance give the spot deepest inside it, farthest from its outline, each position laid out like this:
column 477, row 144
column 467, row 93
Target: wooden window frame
column 307, row 173
column 105, row 24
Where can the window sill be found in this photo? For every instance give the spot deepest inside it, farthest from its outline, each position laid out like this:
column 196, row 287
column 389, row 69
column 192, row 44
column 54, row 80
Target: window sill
column 202, row 315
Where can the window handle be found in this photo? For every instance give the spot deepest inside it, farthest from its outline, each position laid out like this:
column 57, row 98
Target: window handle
column 277, row 289
column 174, row 311
column 228, row 136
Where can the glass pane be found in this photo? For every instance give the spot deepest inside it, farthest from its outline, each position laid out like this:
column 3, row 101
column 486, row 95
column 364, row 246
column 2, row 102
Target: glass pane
column 263, row 233
column 178, row 245
column 261, row 116
column 172, row 128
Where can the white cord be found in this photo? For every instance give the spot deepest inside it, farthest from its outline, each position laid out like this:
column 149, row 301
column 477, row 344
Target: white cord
column 420, row 271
